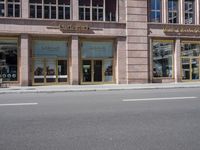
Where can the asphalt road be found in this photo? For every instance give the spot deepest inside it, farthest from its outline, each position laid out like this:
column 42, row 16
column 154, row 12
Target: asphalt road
column 165, row 119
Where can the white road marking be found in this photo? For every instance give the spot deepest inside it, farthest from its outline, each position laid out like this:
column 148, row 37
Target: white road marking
column 19, row 104
column 157, row 99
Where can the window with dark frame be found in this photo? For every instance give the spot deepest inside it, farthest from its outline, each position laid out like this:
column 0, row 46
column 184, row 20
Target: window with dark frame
column 10, row 8
column 50, row 9
column 173, row 11
column 97, row 10
column 155, row 10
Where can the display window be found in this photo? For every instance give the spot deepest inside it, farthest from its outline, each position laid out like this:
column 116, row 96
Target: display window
column 97, row 62
column 190, row 55
column 50, row 60
column 9, row 59
column 163, row 51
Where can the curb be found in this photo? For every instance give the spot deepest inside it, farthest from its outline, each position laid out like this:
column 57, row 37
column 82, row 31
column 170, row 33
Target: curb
column 32, row 90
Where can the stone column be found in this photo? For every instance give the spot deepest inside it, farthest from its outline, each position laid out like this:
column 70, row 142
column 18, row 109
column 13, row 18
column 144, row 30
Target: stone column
column 177, row 60
column 181, row 12
column 197, row 12
column 164, row 11
column 25, row 8
column 75, row 15
column 24, row 60
column 121, row 61
column 74, row 70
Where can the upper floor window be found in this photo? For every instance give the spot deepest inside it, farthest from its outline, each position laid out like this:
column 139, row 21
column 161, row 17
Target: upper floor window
column 189, row 12
column 50, row 9
column 172, row 11
column 10, row 8
column 155, row 10
column 97, row 10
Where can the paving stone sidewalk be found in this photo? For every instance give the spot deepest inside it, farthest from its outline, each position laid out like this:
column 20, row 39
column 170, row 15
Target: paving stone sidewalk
column 82, row 88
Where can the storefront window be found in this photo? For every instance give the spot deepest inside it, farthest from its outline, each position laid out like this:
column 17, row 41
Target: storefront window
column 190, row 52
column 50, row 61
column 155, row 11
column 162, row 58
column 97, row 62
column 8, row 60
column 173, row 11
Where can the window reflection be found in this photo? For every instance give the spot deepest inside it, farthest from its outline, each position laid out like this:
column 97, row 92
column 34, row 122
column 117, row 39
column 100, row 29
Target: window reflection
column 155, row 11
column 189, row 11
column 8, row 60
column 173, row 11
column 162, row 58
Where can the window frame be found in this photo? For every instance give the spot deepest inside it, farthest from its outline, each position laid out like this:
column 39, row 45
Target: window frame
column 188, row 12
column 6, row 3
column 50, row 5
column 91, row 8
column 155, row 11
column 173, row 11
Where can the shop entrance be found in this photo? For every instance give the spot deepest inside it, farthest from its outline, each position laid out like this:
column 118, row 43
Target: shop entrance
column 92, row 71
column 190, row 68
column 49, row 71
column 97, row 61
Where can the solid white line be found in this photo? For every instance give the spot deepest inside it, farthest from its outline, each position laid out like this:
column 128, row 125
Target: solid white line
column 156, row 99
column 19, row 104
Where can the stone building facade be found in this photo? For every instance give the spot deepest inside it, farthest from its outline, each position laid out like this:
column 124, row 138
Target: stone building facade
column 45, row 42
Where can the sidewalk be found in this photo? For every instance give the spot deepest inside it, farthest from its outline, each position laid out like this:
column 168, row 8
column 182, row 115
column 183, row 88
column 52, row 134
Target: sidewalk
column 82, row 88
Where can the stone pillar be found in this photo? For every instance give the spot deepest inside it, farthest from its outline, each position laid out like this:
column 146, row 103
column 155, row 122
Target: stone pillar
column 74, row 70
column 177, row 61
column 75, row 15
column 181, row 10
column 24, row 60
column 121, row 61
column 197, row 12
column 25, row 8
column 164, row 11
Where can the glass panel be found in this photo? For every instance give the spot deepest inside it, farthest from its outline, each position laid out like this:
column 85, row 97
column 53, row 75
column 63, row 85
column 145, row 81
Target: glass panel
column 108, row 70
column 49, row 1
column 195, row 69
column 87, row 71
column 61, row 12
column 45, row 48
column 53, row 12
column 17, row 10
column 32, row 11
column 64, row 2
column 97, row 50
column 38, row 71
column 189, row 11
column 97, row 3
column 8, row 60
column 110, row 10
column 39, row 11
column 162, row 59
column 2, row 10
column 97, row 70
column 87, row 13
column 155, row 11
column 173, row 11
column 62, row 71
column 46, row 12
column 185, row 69
column 10, row 10
column 81, row 13
column 35, row 1
column 190, row 49
column 67, row 13
column 84, row 2
column 50, row 70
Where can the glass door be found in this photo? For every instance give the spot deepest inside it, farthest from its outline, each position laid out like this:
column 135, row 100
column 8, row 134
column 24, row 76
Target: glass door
column 62, row 71
column 87, row 71
column 50, row 70
column 97, row 73
column 195, row 68
column 38, row 75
